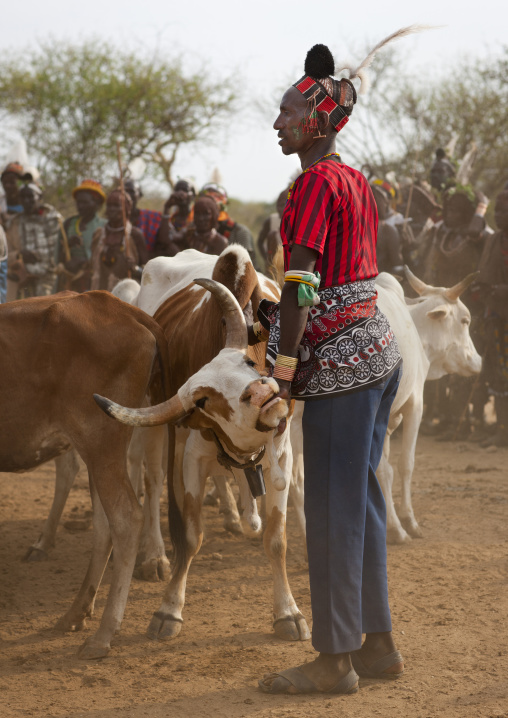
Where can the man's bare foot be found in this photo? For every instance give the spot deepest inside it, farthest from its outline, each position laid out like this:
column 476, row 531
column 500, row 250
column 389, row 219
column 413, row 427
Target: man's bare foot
column 376, row 646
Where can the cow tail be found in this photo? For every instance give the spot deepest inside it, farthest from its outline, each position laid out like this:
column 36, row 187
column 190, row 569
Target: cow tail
column 176, row 524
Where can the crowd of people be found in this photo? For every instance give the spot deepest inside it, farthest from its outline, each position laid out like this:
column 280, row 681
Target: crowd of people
column 90, row 251
column 436, row 227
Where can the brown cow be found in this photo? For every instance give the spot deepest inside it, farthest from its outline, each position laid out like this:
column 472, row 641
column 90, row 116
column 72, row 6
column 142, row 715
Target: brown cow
column 56, row 352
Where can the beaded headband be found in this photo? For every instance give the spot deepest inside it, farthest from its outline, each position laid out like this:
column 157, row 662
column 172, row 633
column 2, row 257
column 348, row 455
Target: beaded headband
column 315, row 92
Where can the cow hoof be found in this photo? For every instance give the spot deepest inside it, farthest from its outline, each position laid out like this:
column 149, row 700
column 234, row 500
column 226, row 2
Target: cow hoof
column 412, row 528
column 292, row 628
column 164, row 626
column 233, row 525
column 67, row 624
column 397, row 536
column 92, row 649
column 35, row 554
column 155, row 569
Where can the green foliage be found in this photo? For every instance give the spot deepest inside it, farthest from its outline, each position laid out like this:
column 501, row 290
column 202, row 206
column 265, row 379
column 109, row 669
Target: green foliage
column 405, row 118
column 73, row 102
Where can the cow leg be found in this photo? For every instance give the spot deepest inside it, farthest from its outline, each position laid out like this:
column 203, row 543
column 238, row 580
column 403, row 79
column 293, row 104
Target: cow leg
column 395, row 534
column 118, row 507
column 289, row 624
column 83, row 605
column 227, row 505
column 67, row 467
column 412, row 412
column 152, row 563
column 167, row 621
column 296, row 491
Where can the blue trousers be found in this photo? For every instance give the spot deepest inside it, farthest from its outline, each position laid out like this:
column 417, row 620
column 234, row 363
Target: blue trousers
column 345, row 514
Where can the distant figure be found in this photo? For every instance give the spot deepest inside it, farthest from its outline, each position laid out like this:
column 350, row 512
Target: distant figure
column 389, row 243
column 269, row 239
column 148, row 221
column 202, row 234
column 442, row 171
column 493, row 279
column 11, row 206
column 33, row 239
column 118, row 250
column 178, row 216
column 234, row 232
column 75, row 273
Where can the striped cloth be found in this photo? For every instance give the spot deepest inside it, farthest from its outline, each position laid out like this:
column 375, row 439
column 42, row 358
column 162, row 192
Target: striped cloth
column 331, row 209
column 149, row 222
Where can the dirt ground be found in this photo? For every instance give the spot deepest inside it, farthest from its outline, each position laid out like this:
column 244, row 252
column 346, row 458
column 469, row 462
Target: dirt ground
column 449, row 602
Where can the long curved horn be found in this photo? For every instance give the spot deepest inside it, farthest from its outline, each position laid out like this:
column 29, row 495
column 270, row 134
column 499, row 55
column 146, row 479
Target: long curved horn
column 168, row 412
column 417, row 284
column 454, row 292
column 236, row 328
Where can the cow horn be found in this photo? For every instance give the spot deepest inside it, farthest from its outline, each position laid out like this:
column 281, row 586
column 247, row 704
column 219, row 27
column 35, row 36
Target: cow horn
column 168, row 412
column 236, row 328
column 454, row 292
column 417, row 284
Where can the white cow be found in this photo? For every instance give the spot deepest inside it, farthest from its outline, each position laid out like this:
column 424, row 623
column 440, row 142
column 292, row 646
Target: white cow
column 433, row 335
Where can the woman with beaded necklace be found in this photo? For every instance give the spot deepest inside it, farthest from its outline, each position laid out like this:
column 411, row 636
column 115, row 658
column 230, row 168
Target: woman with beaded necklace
column 118, row 248
column 331, row 346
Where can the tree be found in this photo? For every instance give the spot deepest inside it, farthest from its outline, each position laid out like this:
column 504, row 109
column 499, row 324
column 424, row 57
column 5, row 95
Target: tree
column 404, row 118
column 73, row 102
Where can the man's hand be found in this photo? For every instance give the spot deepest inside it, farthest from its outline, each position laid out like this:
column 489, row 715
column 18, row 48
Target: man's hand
column 179, row 199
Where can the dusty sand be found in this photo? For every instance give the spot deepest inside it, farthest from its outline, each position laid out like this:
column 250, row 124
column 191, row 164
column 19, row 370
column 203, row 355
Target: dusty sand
column 449, row 599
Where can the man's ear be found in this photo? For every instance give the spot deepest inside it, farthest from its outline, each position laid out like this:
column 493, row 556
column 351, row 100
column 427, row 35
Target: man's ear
column 323, row 121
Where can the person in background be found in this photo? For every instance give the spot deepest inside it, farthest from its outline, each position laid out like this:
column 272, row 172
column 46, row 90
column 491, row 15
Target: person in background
column 234, row 232
column 202, row 235
column 493, row 280
column 147, row 221
column 389, row 243
column 177, row 218
column 118, row 249
column 269, row 237
column 11, row 206
column 74, row 272
column 33, row 239
column 3, row 266
column 442, row 171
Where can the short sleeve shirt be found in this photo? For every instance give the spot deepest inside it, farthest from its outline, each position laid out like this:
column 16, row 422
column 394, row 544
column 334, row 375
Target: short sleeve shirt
column 332, row 210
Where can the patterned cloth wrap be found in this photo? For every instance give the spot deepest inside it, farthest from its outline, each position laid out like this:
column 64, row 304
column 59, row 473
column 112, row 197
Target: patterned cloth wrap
column 347, row 344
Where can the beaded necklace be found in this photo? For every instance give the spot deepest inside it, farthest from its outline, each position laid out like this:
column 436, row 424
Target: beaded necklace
column 330, row 154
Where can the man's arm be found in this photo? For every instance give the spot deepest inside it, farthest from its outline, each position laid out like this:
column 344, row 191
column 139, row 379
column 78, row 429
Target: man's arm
column 292, row 317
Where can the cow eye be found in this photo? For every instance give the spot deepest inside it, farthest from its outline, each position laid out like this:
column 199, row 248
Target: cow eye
column 200, row 403
column 465, row 321
column 250, row 362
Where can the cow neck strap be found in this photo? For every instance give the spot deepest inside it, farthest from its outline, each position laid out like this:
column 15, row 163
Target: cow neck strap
column 229, row 463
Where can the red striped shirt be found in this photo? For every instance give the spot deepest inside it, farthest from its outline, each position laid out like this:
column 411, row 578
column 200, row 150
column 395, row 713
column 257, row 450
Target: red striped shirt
column 332, row 210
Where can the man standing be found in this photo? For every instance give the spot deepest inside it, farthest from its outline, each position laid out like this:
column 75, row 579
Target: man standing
column 79, row 230
column 10, row 178
column 333, row 348
column 33, row 239
column 234, row 232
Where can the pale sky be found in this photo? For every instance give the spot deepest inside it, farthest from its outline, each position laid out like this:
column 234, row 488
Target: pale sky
column 265, row 42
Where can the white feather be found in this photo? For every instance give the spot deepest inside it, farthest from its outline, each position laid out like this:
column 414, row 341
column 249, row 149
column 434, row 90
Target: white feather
column 361, row 71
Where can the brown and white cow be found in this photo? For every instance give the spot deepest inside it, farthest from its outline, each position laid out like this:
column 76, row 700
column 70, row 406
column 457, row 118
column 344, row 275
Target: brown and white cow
column 192, row 323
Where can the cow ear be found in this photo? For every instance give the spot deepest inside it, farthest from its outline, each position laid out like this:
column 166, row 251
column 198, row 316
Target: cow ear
column 439, row 312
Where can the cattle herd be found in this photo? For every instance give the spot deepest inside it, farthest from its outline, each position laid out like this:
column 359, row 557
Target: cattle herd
column 156, row 381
